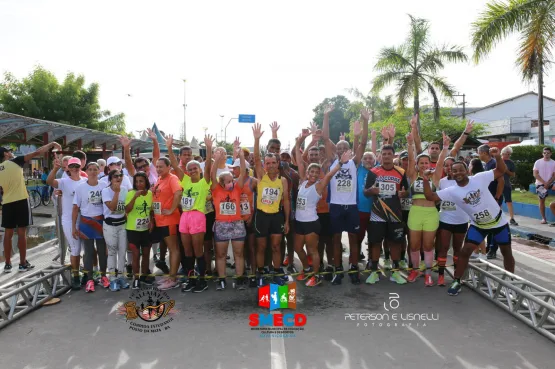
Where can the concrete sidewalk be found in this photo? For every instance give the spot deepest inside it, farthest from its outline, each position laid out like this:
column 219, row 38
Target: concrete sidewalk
column 531, row 229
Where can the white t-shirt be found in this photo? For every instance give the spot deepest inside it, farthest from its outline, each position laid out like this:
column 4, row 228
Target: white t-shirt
column 307, row 200
column 476, row 201
column 68, row 187
column 107, row 196
column 449, row 213
column 343, row 185
column 125, row 183
column 89, row 199
column 545, row 168
column 152, row 174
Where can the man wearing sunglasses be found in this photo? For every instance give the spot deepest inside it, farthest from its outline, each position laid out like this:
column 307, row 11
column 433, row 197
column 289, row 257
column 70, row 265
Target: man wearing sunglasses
column 142, row 164
column 112, row 163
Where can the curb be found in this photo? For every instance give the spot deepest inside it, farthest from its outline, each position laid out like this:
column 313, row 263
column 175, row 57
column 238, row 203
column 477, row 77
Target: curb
column 532, row 236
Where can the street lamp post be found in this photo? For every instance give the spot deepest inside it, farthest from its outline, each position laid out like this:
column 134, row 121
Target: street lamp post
column 184, row 111
column 225, row 134
column 463, row 105
column 222, row 125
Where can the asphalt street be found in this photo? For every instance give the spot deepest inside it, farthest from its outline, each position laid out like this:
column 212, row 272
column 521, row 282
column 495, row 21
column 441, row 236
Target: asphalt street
column 211, row 330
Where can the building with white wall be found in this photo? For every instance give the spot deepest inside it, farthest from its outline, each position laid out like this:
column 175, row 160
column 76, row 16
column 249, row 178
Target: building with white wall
column 516, row 118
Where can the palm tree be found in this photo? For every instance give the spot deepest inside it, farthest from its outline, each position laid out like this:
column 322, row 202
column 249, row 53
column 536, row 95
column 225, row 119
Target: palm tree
column 383, row 108
column 414, row 67
column 535, row 21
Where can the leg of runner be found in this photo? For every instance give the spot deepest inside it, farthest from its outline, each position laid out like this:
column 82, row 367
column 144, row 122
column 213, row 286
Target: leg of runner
column 299, row 249
column 415, row 243
column 462, row 264
column 22, row 245
column 290, row 237
column 102, row 256
column 187, row 243
column 171, row 242
column 198, row 249
column 458, row 240
column 428, row 244
column 337, row 259
column 276, row 257
column 135, row 264
column 355, row 255
column 386, row 255
column 87, row 262
column 376, row 248
column 364, row 218
column 395, row 248
column 8, row 235
column 221, row 254
column 260, row 256
column 311, row 240
column 161, row 263
column 445, row 242
column 208, row 252
column 238, row 246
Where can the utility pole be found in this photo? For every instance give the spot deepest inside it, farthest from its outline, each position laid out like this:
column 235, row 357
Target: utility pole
column 184, row 110
column 463, row 105
column 222, row 125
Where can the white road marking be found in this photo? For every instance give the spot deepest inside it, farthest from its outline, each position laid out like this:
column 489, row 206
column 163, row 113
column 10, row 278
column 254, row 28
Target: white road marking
column 277, row 352
column 425, row 340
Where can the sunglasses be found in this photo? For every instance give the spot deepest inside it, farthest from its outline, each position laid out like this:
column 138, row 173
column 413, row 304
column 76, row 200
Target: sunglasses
column 117, row 176
column 118, row 163
column 73, row 166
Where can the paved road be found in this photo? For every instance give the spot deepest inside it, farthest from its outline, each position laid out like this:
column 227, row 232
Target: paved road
column 211, row 330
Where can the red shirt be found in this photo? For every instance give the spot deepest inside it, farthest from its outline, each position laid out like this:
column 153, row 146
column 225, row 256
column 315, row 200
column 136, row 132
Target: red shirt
column 227, row 203
column 163, row 198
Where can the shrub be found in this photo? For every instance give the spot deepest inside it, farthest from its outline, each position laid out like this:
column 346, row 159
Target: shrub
column 524, row 158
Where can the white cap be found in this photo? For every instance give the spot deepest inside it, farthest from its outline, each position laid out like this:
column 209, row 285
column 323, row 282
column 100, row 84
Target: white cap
column 237, row 163
column 113, row 160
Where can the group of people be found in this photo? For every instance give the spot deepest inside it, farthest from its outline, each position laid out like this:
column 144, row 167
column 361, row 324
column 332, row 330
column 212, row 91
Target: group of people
column 411, row 206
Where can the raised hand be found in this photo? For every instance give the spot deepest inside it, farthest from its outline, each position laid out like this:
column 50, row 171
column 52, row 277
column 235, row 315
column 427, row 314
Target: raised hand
column 385, row 133
column 469, row 125
column 237, row 142
column 341, row 136
column 329, row 108
column 446, row 141
column 125, row 141
column 494, row 151
column 313, row 127
column 151, row 134
column 391, row 131
column 414, row 121
column 357, row 128
column 373, row 134
column 56, row 146
column 169, row 141
column 57, row 163
column 274, row 126
column 208, row 141
column 317, row 135
column 365, row 114
column 241, row 153
column 410, row 139
column 428, row 173
column 257, row 131
column 305, row 133
column 347, row 155
column 218, row 156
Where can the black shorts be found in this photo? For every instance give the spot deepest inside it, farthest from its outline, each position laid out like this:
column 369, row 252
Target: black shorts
column 453, row 228
column 304, row 228
column 268, row 224
column 507, row 194
column 159, row 233
column 405, row 215
column 17, row 214
column 249, row 228
column 210, row 219
column 392, row 231
column 325, row 224
column 138, row 238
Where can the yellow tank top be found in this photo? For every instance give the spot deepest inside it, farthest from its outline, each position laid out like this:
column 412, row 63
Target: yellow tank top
column 269, row 194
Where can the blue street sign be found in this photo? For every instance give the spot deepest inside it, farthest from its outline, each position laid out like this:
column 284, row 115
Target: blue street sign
column 246, row 118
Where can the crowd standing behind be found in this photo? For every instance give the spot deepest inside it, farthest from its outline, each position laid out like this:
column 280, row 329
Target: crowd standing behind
column 412, row 206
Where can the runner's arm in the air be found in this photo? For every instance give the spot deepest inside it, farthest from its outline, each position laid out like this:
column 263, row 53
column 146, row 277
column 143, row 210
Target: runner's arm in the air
column 208, row 142
column 126, row 145
column 374, row 142
column 257, row 133
column 275, row 128
column 42, row 150
column 218, row 158
column 51, row 180
column 461, row 140
column 286, row 204
column 330, row 147
column 411, row 171
column 300, row 164
column 416, row 134
column 365, row 115
column 173, row 160
column 321, row 185
column 442, row 155
column 243, row 175
column 155, row 145
column 500, row 165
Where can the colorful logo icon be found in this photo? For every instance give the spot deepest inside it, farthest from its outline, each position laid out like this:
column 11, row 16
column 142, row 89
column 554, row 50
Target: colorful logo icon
column 278, row 297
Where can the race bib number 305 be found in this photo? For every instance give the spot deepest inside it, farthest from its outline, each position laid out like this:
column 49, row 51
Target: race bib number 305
column 344, row 185
column 270, row 195
column 228, row 208
column 387, row 188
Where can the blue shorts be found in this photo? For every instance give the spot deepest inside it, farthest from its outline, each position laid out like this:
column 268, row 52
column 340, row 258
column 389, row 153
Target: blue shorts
column 344, row 218
column 501, row 235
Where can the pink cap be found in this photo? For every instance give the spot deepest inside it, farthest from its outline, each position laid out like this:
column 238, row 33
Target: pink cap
column 74, row 161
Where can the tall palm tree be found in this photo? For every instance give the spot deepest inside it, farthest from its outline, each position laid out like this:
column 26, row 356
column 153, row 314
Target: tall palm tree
column 535, row 21
column 414, row 67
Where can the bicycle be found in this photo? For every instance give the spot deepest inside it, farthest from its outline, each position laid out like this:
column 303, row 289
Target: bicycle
column 39, row 194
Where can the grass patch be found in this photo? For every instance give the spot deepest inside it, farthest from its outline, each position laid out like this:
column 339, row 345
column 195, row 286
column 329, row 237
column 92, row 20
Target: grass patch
column 525, row 197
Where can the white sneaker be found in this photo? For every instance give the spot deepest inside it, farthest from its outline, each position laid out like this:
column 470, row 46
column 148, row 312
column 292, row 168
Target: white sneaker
column 482, row 257
column 475, row 256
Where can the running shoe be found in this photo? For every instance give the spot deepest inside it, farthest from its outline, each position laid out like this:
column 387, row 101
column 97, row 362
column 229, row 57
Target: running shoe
column 422, row 266
column 123, row 283
column 277, row 279
column 241, row 283
column 475, row 255
column 201, row 286
column 328, row 276
column 441, row 280
column 209, row 276
column 428, row 281
column 361, row 256
column 25, row 267
column 292, row 270
column 136, row 284
column 220, row 284
column 7, row 268
column 90, row 286
column 304, row 274
column 387, row 264
column 413, row 275
column 403, row 265
column 75, row 284
column 454, row 288
column 397, row 278
column 354, row 275
column 252, row 282
column 261, row 279
column 188, row 285
column 149, row 279
column 168, row 285
column 483, row 257
column 513, row 222
column 309, row 259
column 163, row 267
column 161, row 281
column 337, row 276
column 155, row 258
column 373, row 278
column 114, row 285
column 314, row 281
column 490, row 255
column 104, row 282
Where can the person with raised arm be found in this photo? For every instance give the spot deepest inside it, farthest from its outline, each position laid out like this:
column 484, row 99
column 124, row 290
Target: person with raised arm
column 486, row 217
column 142, row 164
column 307, row 224
column 343, row 196
column 269, row 221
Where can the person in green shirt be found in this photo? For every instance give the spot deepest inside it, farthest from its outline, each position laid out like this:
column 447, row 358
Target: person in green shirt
column 138, row 207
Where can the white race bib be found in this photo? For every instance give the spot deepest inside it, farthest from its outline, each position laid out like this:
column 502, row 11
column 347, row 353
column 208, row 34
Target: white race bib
column 387, row 188
column 141, row 224
column 301, row 203
column 269, row 195
column 344, row 185
column 406, row 203
column 419, row 186
column 245, row 208
column 157, row 208
column 209, row 207
column 95, row 197
column 448, row 206
column 482, row 217
column 120, row 209
column 228, row 208
column 187, row 203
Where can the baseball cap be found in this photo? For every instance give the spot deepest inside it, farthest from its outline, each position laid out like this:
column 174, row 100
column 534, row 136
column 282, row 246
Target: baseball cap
column 237, row 163
column 74, row 161
column 4, row 149
column 403, row 154
column 285, row 152
column 113, row 160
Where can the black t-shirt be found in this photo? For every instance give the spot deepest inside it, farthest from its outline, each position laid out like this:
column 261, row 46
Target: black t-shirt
column 386, row 207
column 511, row 167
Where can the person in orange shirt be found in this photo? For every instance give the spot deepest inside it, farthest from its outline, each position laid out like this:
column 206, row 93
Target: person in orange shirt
column 167, row 194
column 229, row 225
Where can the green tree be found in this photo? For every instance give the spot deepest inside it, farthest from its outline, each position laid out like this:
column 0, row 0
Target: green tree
column 228, row 147
column 535, row 21
column 414, row 68
column 40, row 95
column 383, row 108
column 339, row 122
